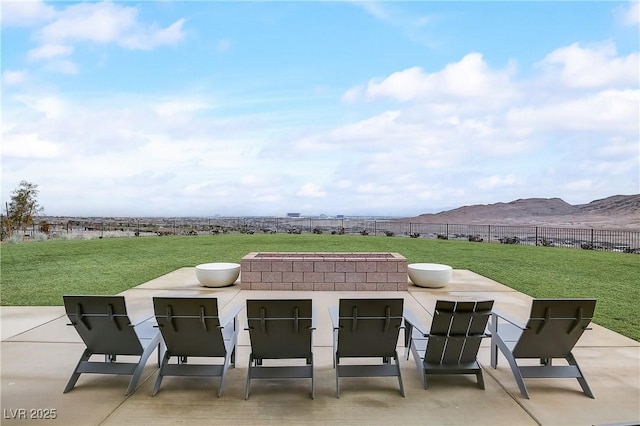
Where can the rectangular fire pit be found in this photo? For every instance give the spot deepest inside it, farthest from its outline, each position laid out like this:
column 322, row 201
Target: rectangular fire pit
column 324, row 271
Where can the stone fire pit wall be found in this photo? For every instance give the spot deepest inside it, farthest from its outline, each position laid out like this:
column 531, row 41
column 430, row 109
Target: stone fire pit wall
column 324, row 271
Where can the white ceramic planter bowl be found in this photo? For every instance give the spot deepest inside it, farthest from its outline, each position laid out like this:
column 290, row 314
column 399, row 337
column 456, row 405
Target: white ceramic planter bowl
column 429, row 274
column 217, row 274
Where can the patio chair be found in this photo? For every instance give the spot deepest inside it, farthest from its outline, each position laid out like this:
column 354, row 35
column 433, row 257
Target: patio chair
column 192, row 327
column 105, row 328
column 366, row 328
column 280, row 329
column 553, row 329
column 451, row 345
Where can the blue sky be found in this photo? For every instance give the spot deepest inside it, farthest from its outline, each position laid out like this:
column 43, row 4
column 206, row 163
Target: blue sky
column 209, row 108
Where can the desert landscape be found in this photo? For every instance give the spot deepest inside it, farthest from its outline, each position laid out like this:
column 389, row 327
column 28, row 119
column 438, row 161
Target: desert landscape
column 615, row 212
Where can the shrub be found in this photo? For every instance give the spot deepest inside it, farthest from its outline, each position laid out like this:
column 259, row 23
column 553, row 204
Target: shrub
column 14, row 239
column 509, row 240
column 40, row 236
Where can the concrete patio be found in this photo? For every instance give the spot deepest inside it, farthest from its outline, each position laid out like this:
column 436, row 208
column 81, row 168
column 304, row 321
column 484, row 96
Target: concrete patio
column 39, row 352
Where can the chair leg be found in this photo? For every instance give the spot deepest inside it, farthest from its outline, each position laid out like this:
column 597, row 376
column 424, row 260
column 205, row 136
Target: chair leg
column 234, row 346
column 493, row 330
column 517, row 375
column 75, row 376
column 408, row 340
column 399, row 373
column 233, row 356
column 235, row 341
column 337, row 378
column 161, row 350
column 156, row 386
column 313, row 389
column 225, row 367
column 494, row 353
column 419, row 364
column 141, row 364
column 583, row 382
column 248, row 385
column 480, row 379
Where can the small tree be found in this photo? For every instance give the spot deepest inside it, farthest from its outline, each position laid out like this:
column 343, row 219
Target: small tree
column 23, row 207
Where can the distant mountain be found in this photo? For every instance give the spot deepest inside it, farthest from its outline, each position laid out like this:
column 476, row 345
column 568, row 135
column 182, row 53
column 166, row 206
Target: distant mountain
column 616, row 212
column 622, row 204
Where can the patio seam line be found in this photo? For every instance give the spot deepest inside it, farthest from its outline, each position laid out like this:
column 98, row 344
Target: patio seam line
column 126, row 398
column 488, row 370
column 33, row 328
column 421, row 305
column 44, row 342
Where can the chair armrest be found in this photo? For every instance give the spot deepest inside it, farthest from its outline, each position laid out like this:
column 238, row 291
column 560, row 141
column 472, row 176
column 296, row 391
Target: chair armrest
column 146, row 329
column 415, row 322
column 229, row 314
column 333, row 313
column 314, row 318
column 495, row 314
column 142, row 321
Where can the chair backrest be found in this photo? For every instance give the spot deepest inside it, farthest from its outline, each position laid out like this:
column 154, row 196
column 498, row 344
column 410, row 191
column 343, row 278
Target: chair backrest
column 280, row 329
column 103, row 324
column 456, row 331
column 554, row 327
column 369, row 327
column 190, row 326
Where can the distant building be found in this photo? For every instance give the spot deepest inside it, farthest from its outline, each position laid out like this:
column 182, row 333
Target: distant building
column 293, row 214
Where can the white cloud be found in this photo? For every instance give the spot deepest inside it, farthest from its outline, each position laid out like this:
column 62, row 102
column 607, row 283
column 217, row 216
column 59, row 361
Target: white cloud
column 426, row 142
column 374, row 188
column 12, row 78
column 580, row 185
column 592, row 67
column 208, row 188
column 369, row 130
column 62, row 66
column 630, row 13
column 48, row 105
column 28, row 146
column 353, row 94
column 150, row 38
column 59, row 31
column 102, row 22
column 614, row 111
column 25, row 13
column 468, row 78
column 48, row 51
column 412, row 25
column 311, row 190
column 404, row 85
column 492, row 182
column 180, row 106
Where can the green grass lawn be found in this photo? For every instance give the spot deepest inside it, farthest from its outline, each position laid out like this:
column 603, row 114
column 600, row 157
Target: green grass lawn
column 39, row 273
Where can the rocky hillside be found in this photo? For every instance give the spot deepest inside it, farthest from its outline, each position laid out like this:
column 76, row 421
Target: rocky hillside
column 616, row 212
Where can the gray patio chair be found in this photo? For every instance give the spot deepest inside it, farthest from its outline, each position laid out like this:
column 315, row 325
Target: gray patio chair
column 451, row 345
column 366, row 328
column 280, row 329
column 192, row 327
column 105, row 328
column 553, row 329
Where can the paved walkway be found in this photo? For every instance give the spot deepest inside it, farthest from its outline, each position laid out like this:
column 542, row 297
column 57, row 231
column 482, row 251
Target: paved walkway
column 39, row 352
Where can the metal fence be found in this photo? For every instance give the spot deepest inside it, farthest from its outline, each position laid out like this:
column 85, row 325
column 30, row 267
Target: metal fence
column 627, row 241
